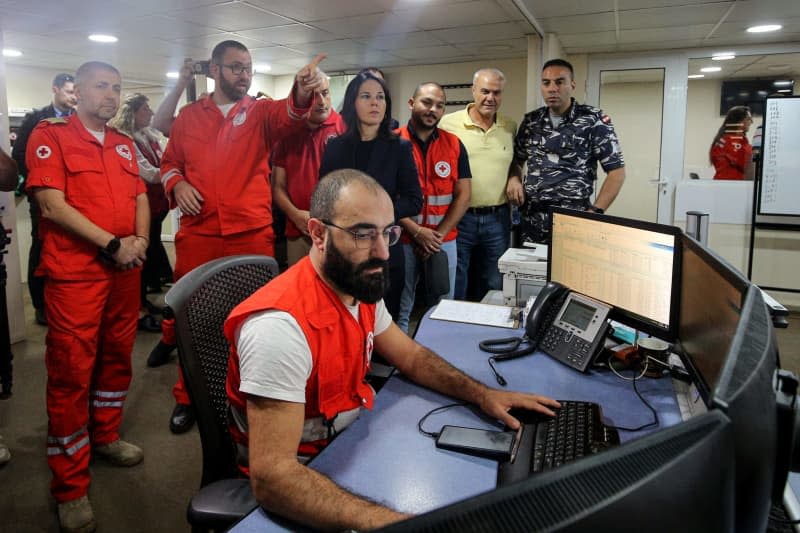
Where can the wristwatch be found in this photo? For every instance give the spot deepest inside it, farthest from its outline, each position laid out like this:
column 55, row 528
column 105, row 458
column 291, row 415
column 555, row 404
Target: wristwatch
column 598, row 209
column 110, row 249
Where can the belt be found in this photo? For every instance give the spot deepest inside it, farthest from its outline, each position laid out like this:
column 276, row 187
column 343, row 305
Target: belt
column 486, row 210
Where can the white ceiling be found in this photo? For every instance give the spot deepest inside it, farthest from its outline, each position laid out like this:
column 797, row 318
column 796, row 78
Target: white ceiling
column 155, row 35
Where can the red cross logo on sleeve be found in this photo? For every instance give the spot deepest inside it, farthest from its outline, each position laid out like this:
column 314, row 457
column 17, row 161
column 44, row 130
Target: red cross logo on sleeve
column 43, row 152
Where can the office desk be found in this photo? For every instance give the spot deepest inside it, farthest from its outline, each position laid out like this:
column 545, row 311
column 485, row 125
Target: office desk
column 383, row 456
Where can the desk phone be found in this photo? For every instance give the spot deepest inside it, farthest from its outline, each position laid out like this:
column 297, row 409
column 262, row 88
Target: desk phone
column 568, row 326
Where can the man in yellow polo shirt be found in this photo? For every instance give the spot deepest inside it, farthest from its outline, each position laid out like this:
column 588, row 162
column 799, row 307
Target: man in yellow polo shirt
column 489, row 139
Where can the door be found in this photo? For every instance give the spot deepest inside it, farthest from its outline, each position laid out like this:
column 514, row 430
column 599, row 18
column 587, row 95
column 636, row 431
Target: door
column 645, row 96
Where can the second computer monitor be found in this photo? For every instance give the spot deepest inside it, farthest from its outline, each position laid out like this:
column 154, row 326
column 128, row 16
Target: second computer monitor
column 630, row 264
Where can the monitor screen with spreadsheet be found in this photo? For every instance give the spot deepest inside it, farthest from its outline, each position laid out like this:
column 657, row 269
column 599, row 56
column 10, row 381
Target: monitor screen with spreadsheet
column 631, row 265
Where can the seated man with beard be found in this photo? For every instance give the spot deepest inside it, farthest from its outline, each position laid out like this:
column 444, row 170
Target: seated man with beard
column 301, row 349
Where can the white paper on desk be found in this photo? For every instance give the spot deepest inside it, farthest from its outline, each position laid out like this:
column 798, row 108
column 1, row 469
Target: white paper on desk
column 475, row 313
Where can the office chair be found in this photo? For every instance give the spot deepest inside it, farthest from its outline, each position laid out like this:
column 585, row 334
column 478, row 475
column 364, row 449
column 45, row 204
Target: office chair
column 200, row 302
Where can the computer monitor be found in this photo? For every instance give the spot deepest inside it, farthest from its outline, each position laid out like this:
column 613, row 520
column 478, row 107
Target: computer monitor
column 726, row 338
column 712, row 293
column 718, row 471
column 631, row 265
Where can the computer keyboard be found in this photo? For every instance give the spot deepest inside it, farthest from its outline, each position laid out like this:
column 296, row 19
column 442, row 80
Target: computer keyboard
column 577, row 430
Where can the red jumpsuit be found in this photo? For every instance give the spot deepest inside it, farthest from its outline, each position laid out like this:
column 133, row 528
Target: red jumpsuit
column 91, row 307
column 340, row 347
column 226, row 160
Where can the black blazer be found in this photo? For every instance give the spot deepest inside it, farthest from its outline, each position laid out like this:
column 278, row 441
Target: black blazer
column 391, row 164
column 26, row 128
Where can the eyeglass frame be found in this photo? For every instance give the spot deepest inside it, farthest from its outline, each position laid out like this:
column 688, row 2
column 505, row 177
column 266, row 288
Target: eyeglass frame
column 372, row 236
column 238, row 66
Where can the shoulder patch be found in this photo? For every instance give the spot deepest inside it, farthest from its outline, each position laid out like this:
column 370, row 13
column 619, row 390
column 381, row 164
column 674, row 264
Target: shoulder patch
column 55, row 120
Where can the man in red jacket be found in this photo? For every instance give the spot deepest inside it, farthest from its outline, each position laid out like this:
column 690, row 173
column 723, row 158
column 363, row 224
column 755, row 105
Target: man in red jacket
column 95, row 221
column 295, row 170
column 302, row 346
column 215, row 169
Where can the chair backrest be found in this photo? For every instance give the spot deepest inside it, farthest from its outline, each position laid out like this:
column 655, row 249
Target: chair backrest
column 200, row 302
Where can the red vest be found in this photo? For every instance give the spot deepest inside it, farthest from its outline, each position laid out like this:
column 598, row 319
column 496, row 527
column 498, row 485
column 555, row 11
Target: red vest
column 340, row 347
column 438, row 174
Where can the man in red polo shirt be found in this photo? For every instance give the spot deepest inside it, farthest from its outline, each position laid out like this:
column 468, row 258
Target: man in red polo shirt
column 94, row 227
column 295, row 170
column 215, row 169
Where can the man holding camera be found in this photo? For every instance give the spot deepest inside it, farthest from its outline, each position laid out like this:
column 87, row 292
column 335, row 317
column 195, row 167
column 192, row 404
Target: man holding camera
column 215, row 169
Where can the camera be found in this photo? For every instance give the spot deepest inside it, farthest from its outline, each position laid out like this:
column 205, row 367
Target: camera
column 201, row 67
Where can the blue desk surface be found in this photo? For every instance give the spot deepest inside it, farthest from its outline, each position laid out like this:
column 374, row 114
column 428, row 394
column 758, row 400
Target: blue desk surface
column 384, row 457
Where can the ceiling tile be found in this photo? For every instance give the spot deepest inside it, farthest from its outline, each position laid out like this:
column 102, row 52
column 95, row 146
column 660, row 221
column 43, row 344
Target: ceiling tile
column 579, row 23
column 402, row 40
column 433, row 17
column 426, row 53
column 368, row 25
column 231, row 16
column 292, row 34
column 484, row 32
column 672, row 16
column 312, row 10
column 542, row 9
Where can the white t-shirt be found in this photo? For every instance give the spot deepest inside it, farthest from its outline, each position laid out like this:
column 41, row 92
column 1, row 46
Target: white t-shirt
column 274, row 357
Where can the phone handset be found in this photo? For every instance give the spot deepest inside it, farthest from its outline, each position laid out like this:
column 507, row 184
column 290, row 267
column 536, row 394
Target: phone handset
column 540, row 317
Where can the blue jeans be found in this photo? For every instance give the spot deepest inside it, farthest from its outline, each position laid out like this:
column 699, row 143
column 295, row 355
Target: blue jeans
column 490, row 232
column 413, row 269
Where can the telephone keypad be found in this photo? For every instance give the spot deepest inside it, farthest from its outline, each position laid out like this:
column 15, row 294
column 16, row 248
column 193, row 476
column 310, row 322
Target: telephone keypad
column 566, row 346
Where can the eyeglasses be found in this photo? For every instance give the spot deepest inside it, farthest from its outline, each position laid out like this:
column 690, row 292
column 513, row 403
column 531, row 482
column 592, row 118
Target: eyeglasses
column 238, row 68
column 365, row 237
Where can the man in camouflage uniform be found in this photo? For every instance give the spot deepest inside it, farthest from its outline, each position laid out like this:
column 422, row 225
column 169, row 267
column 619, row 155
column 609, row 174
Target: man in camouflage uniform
column 562, row 143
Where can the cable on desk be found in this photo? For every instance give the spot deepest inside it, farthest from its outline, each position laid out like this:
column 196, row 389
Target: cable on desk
column 655, row 421
column 432, row 411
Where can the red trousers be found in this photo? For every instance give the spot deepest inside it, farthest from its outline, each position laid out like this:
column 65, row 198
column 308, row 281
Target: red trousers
column 193, row 250
column 90, row 336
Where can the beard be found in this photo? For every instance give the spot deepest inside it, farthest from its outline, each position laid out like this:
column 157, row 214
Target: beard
column 351, row 279
column 230, row 90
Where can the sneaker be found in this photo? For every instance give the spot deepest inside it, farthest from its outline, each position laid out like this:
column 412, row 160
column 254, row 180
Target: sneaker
column 160, row 354
column 76, row 516
column 120, row 453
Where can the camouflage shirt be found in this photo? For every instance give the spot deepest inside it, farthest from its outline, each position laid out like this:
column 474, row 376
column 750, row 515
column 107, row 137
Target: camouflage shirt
column 562, row 161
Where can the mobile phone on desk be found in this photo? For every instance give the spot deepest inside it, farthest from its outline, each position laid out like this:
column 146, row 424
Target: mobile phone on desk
column 497, row 445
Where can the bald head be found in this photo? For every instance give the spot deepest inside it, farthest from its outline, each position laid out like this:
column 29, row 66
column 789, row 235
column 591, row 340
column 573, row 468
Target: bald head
column 98, row 87
column 333, row 186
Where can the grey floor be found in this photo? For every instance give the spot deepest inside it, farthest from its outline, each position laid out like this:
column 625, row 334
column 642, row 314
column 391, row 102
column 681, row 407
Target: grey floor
column 152, row 496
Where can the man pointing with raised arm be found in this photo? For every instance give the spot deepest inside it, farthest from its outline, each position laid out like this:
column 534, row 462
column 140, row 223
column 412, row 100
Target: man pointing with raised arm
column 301, row 349
column 215, row 169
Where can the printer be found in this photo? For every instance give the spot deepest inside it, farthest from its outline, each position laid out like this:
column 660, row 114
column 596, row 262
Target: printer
column 524, row 273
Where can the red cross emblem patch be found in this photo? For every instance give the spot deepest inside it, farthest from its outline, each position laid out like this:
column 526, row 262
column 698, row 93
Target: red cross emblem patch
column 124, row 151
column 442, row 169
column 43, row 152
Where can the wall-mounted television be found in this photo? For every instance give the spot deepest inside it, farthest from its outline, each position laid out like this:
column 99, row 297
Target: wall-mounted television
column 752, row 93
